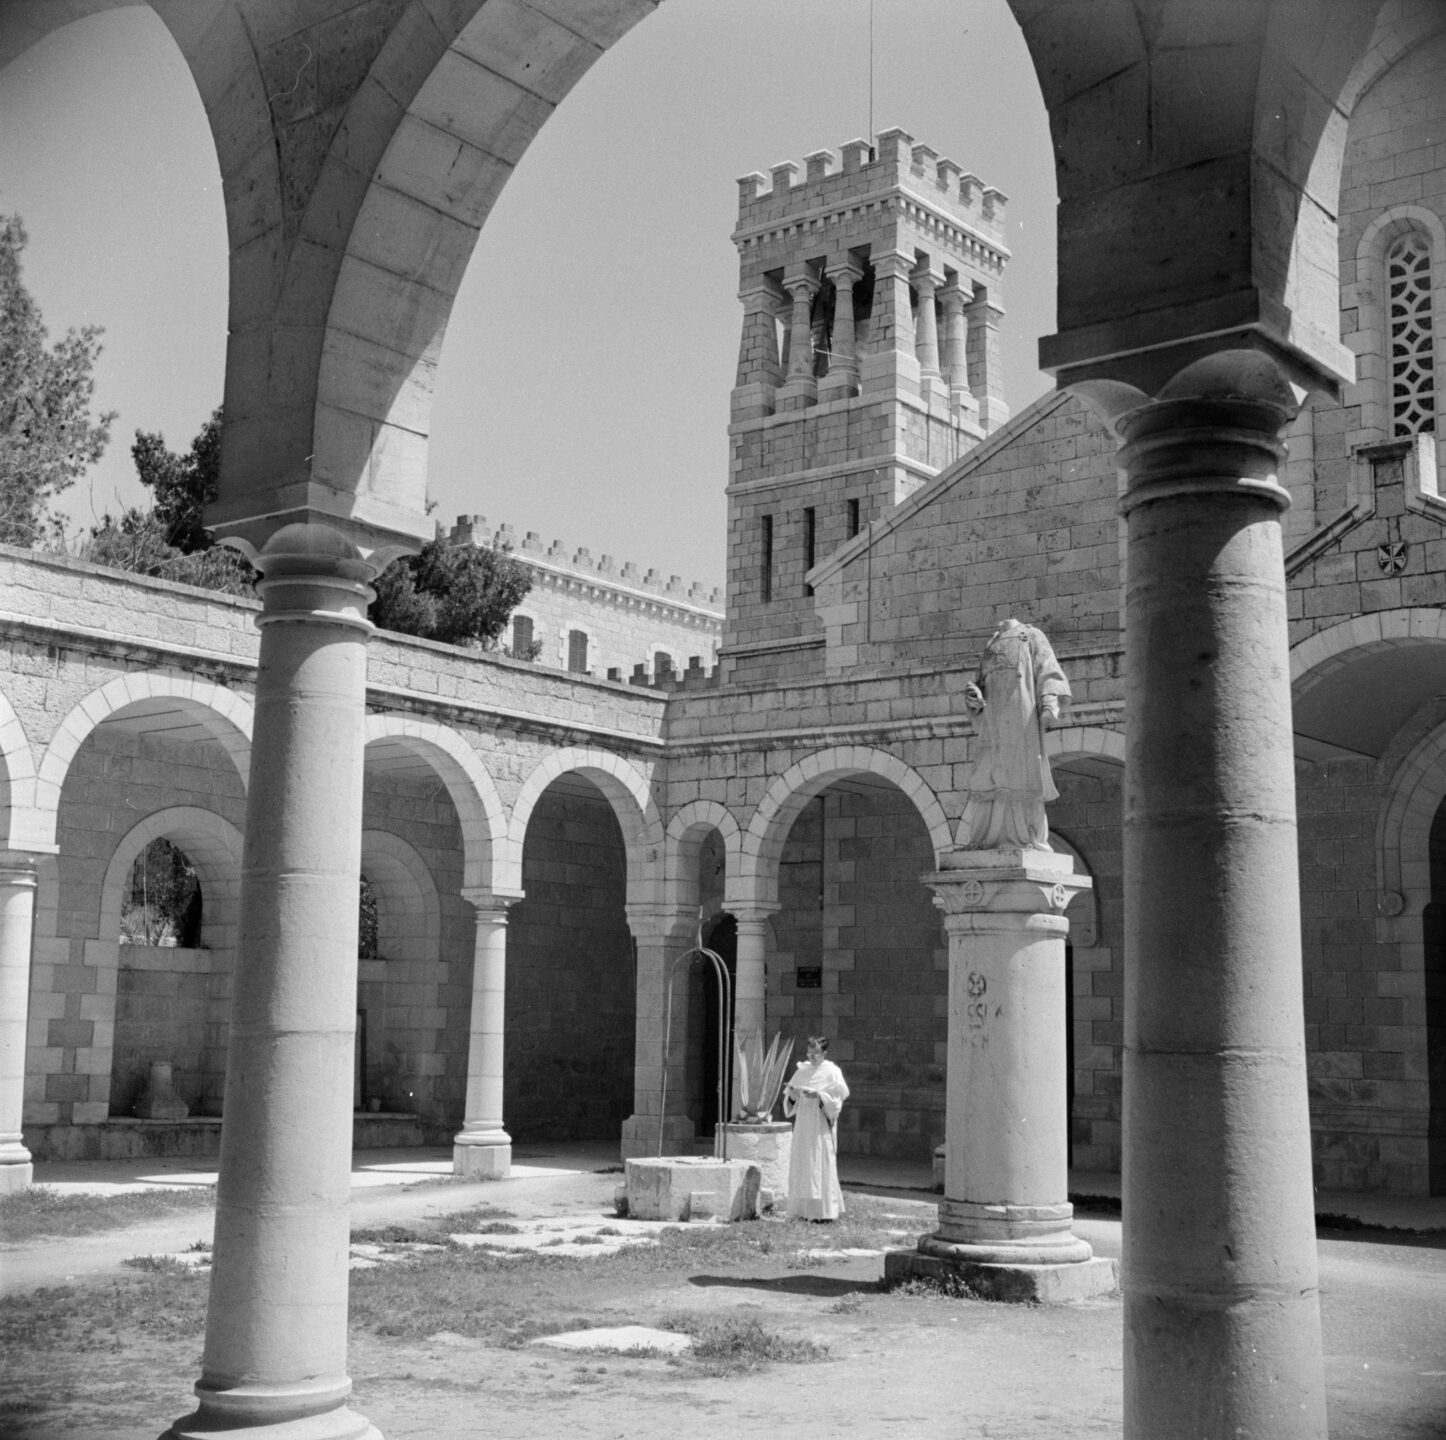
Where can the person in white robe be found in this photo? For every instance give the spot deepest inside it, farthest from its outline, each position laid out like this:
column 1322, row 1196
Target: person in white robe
column 814, row 1097
column 1017, row 695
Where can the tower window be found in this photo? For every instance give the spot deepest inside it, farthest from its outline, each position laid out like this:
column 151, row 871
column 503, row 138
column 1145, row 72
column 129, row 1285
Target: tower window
column 810, row 544
column 1413, row 360
column 577, row 651
column 853, row 518
column 766, row 560
column 662, row 664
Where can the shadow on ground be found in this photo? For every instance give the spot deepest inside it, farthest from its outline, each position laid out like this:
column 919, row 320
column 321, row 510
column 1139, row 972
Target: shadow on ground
column 822, row 1286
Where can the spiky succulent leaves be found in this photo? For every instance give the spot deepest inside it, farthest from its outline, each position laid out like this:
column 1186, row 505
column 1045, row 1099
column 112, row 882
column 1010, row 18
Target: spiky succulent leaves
column 760, row 1076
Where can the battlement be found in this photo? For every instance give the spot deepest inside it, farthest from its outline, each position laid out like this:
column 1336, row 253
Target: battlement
column 894, row 162
column 474, row 530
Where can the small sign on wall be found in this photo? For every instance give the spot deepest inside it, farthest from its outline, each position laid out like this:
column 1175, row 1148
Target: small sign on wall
column 808, row 977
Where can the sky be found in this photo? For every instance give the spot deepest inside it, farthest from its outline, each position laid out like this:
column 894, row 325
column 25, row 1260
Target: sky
column 584, row 380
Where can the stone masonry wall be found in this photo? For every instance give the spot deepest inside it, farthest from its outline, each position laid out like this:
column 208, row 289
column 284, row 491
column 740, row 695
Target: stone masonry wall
column 570, row 986
column 853, row 905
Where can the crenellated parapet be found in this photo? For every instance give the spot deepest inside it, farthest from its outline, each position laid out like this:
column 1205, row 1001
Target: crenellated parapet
column 529, row 547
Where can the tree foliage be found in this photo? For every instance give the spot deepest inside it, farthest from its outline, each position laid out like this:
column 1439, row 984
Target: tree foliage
column 458, row 594
column 48, row 436
column 168, row 540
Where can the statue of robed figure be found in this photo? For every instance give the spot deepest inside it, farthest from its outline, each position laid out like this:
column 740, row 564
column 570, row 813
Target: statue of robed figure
column 1015, row 697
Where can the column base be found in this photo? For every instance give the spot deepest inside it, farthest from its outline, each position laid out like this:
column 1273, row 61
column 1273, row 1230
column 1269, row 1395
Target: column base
column 17, row 1171
column 259, row 1412
column 1014, row 1283
column 640, row 1136
column 486, row 1156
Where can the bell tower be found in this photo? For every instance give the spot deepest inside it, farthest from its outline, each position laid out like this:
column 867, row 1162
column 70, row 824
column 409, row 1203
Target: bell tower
column 869, row 362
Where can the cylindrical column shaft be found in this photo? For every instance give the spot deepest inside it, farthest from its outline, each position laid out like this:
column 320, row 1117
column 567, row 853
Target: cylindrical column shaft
column 842, row 379
column 483, row 1148
column 275, row 1351
column 17, row 921
column 750, row 988
column 926, row 325
column 660, row 935
column 1222, row 1325
column 956, row 338
column 800, row 330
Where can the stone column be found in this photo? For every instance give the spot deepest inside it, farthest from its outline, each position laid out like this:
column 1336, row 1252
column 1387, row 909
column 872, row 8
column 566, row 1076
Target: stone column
column 926, row 331
column 842, row 380
column 275, row 1351
column 956, row 352
column 800, row 388
column 1222, row 1324
column 750, row 986
column 482, row 1149
column 1005, row 1219
column 17, row 922
column 661, row 933
column 985, row 366
column 891, row 364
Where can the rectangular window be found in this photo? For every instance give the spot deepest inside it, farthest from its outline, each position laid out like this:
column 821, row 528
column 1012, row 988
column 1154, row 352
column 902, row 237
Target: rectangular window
column 662, row 664
column 853, row 518
column 521, row 637
column 577, row 651
column 810, row 544
column 766, row 560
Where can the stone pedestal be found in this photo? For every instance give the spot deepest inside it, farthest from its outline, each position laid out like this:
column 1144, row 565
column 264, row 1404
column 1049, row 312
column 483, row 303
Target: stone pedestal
column 684, row 1187
column 769, row 1146
column 159, row 1100
column 1004, row 1221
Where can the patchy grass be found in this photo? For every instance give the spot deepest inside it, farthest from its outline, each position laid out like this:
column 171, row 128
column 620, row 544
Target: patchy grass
column 39, row 1211
column 731, row 1344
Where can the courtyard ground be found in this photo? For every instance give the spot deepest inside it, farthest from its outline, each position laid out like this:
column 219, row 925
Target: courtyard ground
column 97, row 1348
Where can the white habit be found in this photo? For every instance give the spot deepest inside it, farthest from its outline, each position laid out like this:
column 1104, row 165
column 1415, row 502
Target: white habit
column 813, row 1188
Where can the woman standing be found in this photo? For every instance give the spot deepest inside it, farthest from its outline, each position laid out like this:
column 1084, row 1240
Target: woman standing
column 814, row 1098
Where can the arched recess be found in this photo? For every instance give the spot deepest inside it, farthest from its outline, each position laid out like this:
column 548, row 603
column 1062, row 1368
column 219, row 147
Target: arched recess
column 169, row 1004
column 588, row 847
column 400, row 1037
column 768, row 827
column 224, row 716
column 688, row 830
column 473, row 792
column 626, row 790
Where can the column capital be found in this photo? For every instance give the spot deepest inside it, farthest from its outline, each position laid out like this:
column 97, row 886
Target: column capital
column 655, row 920
column 17, row 867
column 898, row 264
column 927, row 278
column 753, row 912
column 312, row 573
column 801, row 278
column 1232, row 406
column 493, row 904
column 954, row 297
column 841, row 267
column 980, row 888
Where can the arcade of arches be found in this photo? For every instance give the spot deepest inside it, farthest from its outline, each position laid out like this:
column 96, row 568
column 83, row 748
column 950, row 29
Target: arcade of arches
column 1251, row 771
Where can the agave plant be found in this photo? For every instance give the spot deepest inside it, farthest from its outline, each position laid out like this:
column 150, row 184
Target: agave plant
column 760, row 1075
